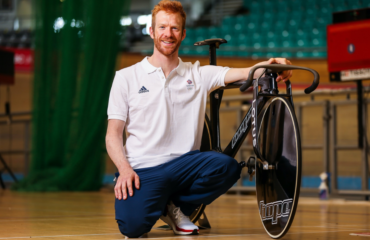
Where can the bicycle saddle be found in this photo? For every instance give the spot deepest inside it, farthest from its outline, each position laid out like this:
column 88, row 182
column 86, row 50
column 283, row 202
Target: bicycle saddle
column 216, row 41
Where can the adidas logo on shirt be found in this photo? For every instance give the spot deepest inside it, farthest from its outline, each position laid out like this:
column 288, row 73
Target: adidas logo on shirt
column 143, row 90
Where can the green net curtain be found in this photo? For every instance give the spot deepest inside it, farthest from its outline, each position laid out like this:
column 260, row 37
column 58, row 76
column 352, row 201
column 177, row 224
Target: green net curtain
column 76, row 44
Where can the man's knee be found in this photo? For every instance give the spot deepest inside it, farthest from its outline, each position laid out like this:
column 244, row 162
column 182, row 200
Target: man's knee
column 224, row 167
column 233, row 167
column 230, row 165
column 134, row 227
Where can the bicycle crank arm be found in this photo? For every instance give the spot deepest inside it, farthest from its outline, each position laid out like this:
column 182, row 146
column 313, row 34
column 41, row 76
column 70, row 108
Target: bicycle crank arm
column 251, row 164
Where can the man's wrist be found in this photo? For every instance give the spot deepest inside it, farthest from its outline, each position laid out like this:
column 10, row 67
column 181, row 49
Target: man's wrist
column 124, row 166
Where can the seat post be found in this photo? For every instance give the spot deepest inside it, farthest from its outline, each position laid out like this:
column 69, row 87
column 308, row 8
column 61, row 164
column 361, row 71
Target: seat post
column 215, row 96
column 212, row 54
column 213, row 44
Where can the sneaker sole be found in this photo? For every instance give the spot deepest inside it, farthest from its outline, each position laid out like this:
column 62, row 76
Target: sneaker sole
column 177, row 230
column 186, row 232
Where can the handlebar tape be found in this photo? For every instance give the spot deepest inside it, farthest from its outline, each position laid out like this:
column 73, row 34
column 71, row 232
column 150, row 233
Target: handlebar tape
column 279, row 68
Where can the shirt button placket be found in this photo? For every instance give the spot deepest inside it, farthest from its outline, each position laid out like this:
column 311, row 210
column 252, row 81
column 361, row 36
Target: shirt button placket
column 160, row 73
column 166, row 89
column 166, row 92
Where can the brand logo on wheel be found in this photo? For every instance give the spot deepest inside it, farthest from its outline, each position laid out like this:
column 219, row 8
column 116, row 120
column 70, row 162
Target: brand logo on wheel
column 143, row 90
column 275, row 210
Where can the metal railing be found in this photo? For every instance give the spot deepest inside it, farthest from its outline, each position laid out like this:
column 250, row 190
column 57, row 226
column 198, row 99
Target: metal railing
column 4, row 120
column 298, row 108
column 335, row 147
column 328, row 146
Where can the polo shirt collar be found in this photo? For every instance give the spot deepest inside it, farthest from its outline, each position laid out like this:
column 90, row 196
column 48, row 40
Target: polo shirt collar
column 180, row 68
column 149, row 68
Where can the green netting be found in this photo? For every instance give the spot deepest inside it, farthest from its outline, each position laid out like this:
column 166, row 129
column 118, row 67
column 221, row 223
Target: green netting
column 76, row 44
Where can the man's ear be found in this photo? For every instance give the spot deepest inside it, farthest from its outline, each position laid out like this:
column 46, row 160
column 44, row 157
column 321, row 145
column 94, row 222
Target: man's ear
column 151, row 32
column 183, row 34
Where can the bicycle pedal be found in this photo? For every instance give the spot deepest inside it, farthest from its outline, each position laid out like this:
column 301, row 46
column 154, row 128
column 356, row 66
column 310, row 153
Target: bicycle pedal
column 251, row 164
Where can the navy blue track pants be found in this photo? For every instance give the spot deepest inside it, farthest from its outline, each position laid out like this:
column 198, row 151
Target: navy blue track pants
column 190, row 180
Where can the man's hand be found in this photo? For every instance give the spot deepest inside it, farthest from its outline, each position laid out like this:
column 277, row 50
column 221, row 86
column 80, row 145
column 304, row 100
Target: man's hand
column 116, row 152
column 124, row 183
column 241, row 74
column 284, row 76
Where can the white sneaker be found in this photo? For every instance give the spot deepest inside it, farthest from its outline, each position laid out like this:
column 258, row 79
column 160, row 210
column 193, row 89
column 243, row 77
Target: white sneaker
column 179, row 223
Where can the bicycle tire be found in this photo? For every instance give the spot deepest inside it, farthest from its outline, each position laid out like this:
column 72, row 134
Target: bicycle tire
column 278, row 188
column 206, row 145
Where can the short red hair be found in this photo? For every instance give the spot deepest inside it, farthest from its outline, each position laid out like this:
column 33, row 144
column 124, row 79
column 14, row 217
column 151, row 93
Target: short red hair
column 169, row 7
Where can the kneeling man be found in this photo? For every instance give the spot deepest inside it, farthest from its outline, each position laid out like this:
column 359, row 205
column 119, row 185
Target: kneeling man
column 162, row 101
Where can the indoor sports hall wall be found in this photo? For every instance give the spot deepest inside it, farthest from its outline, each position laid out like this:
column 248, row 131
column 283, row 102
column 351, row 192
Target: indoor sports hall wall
column 12, row 137
column 297, row 30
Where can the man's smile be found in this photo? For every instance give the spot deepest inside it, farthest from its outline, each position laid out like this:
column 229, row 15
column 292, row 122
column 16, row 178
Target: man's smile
column 168, row 43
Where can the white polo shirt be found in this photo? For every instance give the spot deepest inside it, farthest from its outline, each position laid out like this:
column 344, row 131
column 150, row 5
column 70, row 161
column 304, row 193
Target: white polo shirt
column 164, row 116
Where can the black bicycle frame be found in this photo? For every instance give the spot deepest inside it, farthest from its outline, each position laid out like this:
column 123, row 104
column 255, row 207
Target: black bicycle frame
column 244, row 128
column 215, row 103
column 249, row 120
column 268, row 90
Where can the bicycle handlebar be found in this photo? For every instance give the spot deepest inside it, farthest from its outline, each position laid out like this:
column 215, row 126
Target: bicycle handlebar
column 279, row 68
column 246, row 85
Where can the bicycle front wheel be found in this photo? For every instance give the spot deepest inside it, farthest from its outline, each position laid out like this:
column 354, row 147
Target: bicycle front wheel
column 278, row 186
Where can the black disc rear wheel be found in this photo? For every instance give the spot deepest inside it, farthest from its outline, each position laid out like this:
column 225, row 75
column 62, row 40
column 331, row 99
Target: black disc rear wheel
column 278, row 187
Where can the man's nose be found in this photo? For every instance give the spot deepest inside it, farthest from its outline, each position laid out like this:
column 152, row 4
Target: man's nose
column 168, row 32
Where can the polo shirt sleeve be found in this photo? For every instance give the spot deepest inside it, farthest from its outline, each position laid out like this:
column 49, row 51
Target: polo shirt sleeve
column 118, row 104
column 213, row 77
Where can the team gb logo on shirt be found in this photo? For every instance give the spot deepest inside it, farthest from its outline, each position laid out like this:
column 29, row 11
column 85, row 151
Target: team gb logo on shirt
column 190, row 84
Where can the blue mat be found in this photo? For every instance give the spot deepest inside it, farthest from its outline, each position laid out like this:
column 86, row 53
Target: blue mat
column 344, row 183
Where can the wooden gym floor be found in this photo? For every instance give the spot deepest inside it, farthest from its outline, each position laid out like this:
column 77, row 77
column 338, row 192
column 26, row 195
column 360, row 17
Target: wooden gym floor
column 90, row 215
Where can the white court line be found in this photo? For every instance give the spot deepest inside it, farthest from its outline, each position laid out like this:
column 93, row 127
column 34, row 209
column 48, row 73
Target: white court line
column 364, row 234
column 240, row 235
column 51, row 219
column 193, row 236
column 99, row 234
column 80, row 217
column 330, row 226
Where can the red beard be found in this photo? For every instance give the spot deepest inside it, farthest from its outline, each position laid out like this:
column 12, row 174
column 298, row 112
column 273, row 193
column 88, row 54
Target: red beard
column 167, row 51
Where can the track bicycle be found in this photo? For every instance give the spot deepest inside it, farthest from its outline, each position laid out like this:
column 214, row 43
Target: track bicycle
column 276, row 141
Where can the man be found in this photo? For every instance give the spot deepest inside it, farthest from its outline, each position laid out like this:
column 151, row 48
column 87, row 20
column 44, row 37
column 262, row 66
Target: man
column 161, row 101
